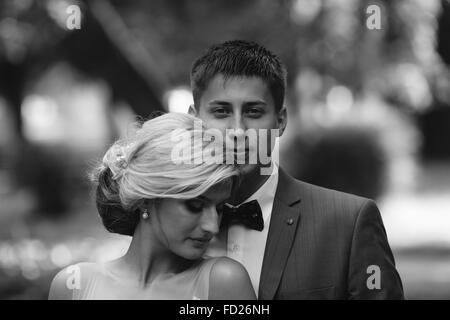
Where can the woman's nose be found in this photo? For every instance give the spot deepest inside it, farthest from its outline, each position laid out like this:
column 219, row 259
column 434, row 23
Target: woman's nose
column 210, row 221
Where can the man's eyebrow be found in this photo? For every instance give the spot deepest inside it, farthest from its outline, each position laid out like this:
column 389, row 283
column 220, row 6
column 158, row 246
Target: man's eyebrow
column 255, row 103
column 247, row 103
column 219, row 102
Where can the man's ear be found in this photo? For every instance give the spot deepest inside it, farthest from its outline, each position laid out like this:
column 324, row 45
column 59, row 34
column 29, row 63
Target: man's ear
column 192, row 111
column 282, row 120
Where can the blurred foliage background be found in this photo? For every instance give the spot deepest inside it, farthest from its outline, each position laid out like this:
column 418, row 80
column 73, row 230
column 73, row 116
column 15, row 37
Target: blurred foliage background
column 369, row 113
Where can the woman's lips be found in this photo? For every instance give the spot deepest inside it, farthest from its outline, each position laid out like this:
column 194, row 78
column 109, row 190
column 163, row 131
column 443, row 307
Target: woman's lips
column 200, row 241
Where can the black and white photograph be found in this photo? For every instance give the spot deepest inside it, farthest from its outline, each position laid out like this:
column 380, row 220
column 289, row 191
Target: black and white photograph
column 219, row 150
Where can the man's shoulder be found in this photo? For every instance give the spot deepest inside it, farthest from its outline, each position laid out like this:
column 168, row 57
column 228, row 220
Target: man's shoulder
column 319, row 199
column 324, row 193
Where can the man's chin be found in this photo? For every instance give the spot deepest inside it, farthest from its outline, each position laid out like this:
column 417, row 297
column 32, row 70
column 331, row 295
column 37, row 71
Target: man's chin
column 246, row 169
column 255, row 169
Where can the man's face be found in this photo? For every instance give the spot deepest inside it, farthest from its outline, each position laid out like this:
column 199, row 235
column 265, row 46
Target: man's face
column 241, row 103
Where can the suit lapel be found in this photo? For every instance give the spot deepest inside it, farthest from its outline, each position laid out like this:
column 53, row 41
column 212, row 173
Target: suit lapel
column 283, row 225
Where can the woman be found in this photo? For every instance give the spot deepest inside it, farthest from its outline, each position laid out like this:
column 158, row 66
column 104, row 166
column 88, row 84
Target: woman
column 171, row 209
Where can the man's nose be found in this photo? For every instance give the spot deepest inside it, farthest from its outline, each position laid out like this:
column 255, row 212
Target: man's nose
column 236, row 128
column 210, row 221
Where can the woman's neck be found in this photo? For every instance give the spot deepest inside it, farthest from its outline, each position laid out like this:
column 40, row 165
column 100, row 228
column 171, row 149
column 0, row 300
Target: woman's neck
column 145, row 260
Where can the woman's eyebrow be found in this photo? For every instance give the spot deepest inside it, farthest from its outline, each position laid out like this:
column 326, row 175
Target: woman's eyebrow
column 203, row 198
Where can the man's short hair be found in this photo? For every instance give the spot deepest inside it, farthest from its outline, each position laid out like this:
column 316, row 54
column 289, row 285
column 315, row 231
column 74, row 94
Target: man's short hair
column 239, row 58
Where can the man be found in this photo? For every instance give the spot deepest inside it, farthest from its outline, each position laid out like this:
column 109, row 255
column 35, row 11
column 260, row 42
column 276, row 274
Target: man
column 305, row 242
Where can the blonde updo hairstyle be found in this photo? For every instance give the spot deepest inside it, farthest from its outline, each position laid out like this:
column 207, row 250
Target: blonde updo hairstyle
column 141, row 167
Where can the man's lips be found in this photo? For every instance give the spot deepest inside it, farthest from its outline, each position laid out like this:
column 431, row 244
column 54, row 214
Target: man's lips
column 238, row 151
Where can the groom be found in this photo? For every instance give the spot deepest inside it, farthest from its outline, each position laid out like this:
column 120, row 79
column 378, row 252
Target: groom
column 305, row 242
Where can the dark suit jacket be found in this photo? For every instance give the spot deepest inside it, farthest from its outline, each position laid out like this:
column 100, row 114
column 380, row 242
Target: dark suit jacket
column 320, row 244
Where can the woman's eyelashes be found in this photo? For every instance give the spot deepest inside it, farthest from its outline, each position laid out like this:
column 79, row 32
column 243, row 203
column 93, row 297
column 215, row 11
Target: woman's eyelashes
column 195, row 205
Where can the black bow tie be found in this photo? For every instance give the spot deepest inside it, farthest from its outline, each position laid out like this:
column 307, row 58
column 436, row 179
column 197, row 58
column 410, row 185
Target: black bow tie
column 249, row 214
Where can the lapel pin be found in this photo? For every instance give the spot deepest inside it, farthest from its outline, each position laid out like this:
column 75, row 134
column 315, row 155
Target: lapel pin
column 290, row 221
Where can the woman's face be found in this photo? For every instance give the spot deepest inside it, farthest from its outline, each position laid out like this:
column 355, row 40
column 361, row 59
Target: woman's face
column 186, row 226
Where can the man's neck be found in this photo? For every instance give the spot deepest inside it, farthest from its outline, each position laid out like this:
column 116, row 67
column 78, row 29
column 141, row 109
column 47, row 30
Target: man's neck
column 249, row 184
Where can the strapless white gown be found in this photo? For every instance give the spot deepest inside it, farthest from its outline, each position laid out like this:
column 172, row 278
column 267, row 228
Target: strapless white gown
column 98, row 283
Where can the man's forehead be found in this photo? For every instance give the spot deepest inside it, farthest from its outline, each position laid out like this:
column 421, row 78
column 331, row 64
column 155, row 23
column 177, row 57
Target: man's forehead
column 250, row 88
column 227, row 80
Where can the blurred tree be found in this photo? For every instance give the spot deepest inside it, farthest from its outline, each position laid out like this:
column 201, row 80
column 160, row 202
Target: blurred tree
column 443, row 41
column 345, row 158
column 34, row 36
column 342, row 64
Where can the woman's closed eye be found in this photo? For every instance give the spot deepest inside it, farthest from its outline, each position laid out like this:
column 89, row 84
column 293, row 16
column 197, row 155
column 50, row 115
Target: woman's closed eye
column 195, row 205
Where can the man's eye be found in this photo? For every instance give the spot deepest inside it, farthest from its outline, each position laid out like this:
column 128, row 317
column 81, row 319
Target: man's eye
column 194, row 205
column 254, row 112
column 221, row 112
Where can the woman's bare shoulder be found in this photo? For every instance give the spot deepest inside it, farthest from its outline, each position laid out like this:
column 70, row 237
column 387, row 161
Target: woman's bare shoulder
column 70, row 278
column 229, row 280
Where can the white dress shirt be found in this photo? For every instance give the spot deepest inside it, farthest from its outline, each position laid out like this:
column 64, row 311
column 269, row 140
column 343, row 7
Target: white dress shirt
column 247, row 245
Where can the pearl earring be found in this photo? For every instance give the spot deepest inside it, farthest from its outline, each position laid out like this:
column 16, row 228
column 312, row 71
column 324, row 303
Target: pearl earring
column 145, row 214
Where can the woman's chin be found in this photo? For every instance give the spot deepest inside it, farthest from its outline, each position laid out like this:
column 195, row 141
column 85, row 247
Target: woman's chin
column 193, row 253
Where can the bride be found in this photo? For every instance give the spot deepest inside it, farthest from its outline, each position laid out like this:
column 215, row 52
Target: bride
column 171, row 210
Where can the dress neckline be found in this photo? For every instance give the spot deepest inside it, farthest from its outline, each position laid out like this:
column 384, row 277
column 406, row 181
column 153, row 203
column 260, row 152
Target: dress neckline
column 172, row 276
